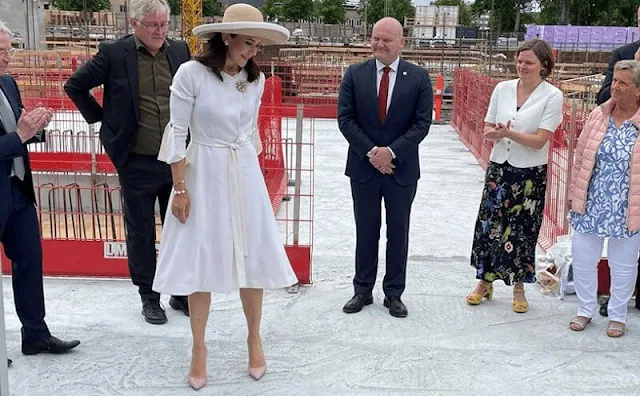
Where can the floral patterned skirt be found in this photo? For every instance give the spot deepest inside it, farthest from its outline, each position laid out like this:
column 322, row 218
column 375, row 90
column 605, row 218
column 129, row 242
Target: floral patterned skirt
column 509, row 220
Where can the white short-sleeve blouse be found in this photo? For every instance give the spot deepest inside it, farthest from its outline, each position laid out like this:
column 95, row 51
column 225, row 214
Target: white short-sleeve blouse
column 542, row 110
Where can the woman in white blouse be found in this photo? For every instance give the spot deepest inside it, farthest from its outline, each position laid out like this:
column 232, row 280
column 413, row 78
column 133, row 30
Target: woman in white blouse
column 522, row 115
column 221, row 234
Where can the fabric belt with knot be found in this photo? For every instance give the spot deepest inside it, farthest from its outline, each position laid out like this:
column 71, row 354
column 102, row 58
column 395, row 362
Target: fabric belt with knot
column 236, row 198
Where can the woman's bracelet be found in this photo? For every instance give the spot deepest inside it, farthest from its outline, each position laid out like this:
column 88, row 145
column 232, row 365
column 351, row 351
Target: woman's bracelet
column 180, row 192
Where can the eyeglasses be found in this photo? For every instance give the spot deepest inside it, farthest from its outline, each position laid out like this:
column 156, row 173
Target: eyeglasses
column 9, row 52
column 155, row 26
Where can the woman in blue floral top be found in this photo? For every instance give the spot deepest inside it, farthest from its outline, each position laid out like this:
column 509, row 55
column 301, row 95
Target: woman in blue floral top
column 605, row 202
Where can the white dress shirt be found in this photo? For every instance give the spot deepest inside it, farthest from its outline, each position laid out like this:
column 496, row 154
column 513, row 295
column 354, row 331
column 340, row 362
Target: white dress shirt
column 393, row 73
column 542, row 110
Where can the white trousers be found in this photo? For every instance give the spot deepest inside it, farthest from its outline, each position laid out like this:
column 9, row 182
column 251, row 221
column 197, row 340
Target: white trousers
column 586, row 250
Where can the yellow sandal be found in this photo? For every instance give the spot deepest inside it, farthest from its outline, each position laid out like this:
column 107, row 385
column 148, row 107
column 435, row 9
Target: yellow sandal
column 474, row 298
column 519, row 306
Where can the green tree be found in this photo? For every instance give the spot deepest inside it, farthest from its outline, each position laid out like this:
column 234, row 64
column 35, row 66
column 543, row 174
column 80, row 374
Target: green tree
column 271, row 9
column 464, row 10
column 174, row 5
column 402, row 8
column 298, row 10
column 78, row 5
column 505, row 15
column 588, row 12
column 211, row 8
column 378, row 9
column 331, row 11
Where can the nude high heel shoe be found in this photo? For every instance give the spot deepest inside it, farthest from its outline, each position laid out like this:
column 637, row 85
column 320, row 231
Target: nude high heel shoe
column 196, row 383
column 258, row 372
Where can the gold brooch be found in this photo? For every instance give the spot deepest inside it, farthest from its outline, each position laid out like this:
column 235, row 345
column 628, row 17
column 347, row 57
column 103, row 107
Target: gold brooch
column 241, row 86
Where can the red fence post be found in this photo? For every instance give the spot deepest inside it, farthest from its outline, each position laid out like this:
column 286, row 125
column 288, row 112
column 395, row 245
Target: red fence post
column 438, row 98
column 272, row 95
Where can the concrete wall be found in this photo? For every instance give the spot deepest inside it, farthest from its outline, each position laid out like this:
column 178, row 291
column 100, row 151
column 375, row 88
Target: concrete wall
column 14, row 14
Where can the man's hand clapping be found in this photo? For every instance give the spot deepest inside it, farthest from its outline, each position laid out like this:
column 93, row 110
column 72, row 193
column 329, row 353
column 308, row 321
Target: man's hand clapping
column 31, row 122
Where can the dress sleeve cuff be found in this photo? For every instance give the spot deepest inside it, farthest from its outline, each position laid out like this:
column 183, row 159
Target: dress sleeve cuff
column 174, row 144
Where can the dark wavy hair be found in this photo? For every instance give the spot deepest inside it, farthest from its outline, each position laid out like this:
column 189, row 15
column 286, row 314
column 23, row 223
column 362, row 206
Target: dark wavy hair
column 214, row 57
column 542, row 51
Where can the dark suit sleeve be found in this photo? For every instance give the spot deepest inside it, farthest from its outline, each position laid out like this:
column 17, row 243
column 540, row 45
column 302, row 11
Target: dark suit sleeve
column 39, row 137
column 10, row 146
column 605, row 90
column 10, row 143
column 347, row 118
column 408, row 142
column 92, row 74
column 188, row 50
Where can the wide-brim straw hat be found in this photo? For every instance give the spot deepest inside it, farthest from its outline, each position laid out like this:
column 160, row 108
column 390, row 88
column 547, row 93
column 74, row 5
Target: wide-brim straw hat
column 245, row 20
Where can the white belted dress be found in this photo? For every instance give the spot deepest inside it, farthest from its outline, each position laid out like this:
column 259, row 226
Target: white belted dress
column 230, row 239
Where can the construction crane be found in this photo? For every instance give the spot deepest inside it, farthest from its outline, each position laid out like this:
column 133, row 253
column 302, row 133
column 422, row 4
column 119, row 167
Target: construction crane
column 191, row 17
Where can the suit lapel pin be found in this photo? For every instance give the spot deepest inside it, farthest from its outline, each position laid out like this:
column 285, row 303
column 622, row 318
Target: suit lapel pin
column 404, row 73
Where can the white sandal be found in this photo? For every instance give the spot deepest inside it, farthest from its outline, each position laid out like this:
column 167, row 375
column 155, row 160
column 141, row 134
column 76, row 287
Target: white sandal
column 616, row 329
column 580, row 321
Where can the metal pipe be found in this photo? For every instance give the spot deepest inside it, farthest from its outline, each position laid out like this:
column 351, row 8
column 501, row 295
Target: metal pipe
column 572, row 138
column 298, row 181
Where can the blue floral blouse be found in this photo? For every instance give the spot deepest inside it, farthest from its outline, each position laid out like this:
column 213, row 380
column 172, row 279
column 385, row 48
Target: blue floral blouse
column 607, row 200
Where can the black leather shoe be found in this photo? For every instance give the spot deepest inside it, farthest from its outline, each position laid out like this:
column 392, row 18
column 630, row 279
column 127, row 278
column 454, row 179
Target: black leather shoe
column 603, row 309
column 50, row 344
column 9, row 361
column 153, row 312
column 396, row 307
column 356, row 303
column 180, row 304
column 637, row 302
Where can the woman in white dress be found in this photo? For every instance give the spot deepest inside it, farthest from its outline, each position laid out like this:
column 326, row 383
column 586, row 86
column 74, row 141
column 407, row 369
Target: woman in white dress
column 221, row 234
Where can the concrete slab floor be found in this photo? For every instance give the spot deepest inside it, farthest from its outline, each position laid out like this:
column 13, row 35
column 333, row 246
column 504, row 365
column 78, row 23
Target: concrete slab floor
column 444, row 347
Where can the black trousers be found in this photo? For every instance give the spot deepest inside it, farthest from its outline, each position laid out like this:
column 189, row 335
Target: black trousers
column 20, row 236
column 367, row 199
column 143, row 179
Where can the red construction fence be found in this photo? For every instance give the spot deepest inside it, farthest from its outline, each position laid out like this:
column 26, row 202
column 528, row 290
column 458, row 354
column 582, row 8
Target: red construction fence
column 78, row 193
column 314, row 83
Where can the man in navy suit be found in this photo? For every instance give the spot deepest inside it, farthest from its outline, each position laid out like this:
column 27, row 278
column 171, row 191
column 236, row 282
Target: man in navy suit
column 384, row 111
column 19, row 231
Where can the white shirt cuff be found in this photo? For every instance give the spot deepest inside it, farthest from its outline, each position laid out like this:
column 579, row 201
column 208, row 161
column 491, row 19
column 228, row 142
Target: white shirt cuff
column 370, row 153
column 393, row 155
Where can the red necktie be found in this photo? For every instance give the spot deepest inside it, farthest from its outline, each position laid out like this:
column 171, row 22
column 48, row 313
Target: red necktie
column 383, row 92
